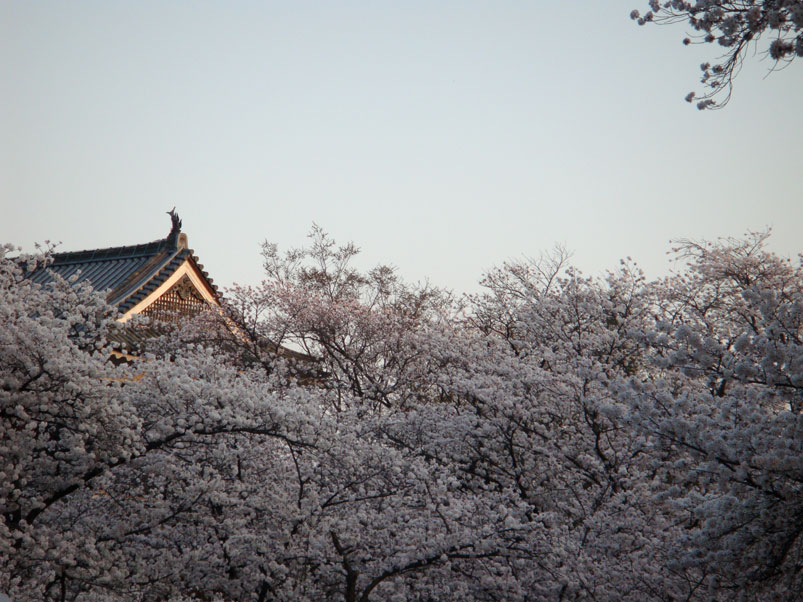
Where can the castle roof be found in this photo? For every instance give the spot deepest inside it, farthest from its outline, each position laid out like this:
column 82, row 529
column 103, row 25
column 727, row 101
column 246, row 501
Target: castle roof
column 129, row 274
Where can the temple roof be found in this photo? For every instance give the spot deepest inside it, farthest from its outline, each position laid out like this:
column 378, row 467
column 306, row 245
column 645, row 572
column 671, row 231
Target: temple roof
column 129, row 273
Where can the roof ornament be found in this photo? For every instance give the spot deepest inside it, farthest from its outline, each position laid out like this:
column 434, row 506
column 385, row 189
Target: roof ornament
column 176, row 221
column 176, row 238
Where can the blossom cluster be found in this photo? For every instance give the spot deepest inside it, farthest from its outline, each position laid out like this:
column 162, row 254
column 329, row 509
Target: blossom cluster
column 735, row 27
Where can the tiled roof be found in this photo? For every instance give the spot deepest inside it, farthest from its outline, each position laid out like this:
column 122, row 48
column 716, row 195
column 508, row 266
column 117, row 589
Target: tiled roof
column 128, row 274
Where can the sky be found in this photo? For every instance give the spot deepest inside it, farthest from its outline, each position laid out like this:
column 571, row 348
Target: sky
column 443, row 138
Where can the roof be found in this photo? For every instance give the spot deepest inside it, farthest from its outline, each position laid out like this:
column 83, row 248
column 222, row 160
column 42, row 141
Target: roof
column 128, row 274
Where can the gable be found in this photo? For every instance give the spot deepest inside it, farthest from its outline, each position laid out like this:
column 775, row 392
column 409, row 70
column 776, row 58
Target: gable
column 185, row 292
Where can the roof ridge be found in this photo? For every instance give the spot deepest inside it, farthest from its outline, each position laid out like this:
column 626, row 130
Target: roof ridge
column 124, row 252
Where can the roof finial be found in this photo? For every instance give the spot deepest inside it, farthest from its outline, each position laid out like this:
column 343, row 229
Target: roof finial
column 176, row 221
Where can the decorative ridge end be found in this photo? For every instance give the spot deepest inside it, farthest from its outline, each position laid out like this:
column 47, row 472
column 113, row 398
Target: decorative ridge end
column 175, row 236
column 175, row 221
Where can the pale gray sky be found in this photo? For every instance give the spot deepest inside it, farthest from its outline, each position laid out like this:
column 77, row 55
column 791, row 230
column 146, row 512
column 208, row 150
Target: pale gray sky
column 441, row 137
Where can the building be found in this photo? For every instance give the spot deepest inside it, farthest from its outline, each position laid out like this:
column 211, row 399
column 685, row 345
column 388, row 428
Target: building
column 162, row 279
column 159, row 279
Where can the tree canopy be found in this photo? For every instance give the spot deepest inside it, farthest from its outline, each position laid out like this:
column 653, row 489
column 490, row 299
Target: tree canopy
column 555, row 437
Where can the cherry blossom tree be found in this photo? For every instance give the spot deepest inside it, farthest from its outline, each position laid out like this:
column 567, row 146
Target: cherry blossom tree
column 725, row 411
column 535, row 389
column 58, row 429
column 192, row 477
column 85, row 446
column 359, row 325
column 736, row 27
